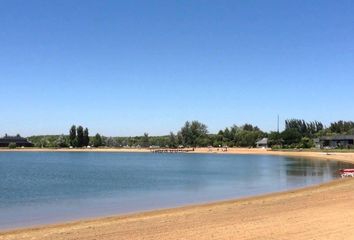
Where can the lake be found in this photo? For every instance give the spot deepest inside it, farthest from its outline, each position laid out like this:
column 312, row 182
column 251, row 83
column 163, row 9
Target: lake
column 48, row 187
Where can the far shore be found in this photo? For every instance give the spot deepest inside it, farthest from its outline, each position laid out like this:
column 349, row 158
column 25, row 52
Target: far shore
column 319, row 212
column 319, row 154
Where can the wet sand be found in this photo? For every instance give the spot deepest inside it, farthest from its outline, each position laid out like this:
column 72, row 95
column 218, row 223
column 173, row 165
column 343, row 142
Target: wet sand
column 319, row 212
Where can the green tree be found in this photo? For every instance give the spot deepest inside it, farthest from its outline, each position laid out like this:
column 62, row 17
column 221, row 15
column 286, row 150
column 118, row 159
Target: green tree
column 97, row 140
column 61, row 142
column 110, row 142
column 291, row 137
column 72, row 136
column 186, row 134
column 306, row 143
column 172, row 140
column 306, row 129
column 145, row 140
column 250, row 127
column 274, row 139
column 244, row 136
column 80, row 136
column 217, row 140
column 226, row 137
column 86, row 140
column 44, row 142
column 194, row 134
column 341, row 127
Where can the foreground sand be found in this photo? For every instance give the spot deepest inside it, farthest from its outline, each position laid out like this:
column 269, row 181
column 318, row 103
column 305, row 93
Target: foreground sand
column 321, row 212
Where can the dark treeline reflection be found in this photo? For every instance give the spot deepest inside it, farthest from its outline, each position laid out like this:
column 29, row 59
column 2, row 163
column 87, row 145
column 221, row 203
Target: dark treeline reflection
column 304, row 167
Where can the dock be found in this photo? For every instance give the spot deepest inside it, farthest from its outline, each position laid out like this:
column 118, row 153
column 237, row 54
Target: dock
column 172, row 150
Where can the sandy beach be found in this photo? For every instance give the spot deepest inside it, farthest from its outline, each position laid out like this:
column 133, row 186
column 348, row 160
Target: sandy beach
column 318, row 212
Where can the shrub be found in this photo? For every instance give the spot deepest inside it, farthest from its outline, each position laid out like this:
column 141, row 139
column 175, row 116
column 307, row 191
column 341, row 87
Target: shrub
column 12, row 145
column 306, row 143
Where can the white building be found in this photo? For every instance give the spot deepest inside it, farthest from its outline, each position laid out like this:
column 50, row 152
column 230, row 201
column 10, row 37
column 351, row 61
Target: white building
column 263, row 143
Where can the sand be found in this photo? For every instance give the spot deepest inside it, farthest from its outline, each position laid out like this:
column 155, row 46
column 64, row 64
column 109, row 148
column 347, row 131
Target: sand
column 320, row 212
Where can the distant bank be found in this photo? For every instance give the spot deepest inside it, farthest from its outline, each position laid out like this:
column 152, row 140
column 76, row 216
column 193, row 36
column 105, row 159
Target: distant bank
column 330, row 155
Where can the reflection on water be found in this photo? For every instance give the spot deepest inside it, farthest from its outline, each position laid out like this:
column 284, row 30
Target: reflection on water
column 37, row 188
column 303, row 167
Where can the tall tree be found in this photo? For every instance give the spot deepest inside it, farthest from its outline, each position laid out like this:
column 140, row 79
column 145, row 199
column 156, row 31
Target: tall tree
column 342, row 127
column 145, row 140
column 80, row 136
column 172, row 140
column 97, row 140
column 194, row 134
column 86, row 140
column 306, row 129
column 72, row 136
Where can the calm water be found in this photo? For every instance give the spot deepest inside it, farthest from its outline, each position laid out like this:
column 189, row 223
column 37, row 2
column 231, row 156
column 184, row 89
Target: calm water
column 37, row 188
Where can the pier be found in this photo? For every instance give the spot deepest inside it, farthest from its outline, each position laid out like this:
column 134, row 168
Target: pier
column 172, row 150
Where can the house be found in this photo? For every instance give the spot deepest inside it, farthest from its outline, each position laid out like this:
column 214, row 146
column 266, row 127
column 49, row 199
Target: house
column 20, row 141
column 263, row 143
column 337, row 141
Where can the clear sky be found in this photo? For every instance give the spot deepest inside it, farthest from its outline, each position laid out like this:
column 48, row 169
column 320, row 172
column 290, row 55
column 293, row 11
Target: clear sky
column 129, row 67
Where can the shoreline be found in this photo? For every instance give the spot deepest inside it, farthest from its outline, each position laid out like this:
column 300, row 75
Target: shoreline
column 347, row 157
column 202, row 218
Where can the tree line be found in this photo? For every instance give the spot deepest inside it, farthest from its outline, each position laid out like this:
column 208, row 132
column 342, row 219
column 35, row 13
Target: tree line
column 298, row 133
column 77, row 137
column 301, row 134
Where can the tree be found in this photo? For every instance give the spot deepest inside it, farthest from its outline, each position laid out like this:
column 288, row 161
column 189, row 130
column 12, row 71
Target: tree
column 274, row 139
column 306, row 129
column 80, row 136
column 226, row 137
column 217, row 140
column 62, row 142
column 110, row 142
column 86, row 140
column 244, row 136
column 180, row 139
column 306, row 142
column 199, row 133
column 185, row 134
column 172, row 140
column 194, row 134
column 291, row 137
column 72, row 136
column 44, row 143
column 97, row 140
column 341, row 127
column 250, row 127
column 145, row 140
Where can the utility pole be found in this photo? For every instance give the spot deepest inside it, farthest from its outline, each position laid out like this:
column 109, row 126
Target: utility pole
column 278, row 124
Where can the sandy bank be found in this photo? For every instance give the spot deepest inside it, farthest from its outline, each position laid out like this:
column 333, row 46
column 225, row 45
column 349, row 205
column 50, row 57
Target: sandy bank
column 347, row 157
column 320, row 212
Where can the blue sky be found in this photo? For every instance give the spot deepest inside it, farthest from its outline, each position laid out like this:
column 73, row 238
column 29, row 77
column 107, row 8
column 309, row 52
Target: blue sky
column 129, row 67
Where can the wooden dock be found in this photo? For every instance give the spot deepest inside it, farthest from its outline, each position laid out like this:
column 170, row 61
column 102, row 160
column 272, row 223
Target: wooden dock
column 172, row 150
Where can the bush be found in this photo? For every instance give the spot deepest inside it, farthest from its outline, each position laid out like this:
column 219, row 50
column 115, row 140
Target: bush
column 12, row 145
column 306, row 143
column 277, row 147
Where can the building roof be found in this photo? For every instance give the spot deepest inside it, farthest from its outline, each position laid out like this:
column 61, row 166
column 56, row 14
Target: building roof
column 16, row 139
column 262, row 141
column 13, row 138
column 338, row 137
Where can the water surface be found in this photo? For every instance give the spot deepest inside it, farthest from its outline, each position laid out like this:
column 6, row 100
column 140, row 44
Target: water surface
column 39, row 188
